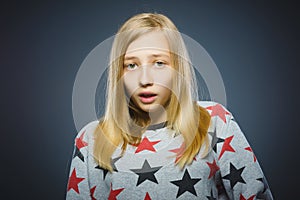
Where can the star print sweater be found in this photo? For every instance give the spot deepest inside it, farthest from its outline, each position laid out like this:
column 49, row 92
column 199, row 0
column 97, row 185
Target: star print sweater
column 148, row 171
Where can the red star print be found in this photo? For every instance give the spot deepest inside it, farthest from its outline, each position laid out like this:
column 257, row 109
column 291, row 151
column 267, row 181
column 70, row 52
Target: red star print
column 79, row 141
column 243, row 198
column 179, row 151
column 249, row 149
column 74, row 181
column 213, row 168
column 114, row 193
column 147, row 197
column 92, row 191
column 146, row 145
column 218, row 110
column 226, row 146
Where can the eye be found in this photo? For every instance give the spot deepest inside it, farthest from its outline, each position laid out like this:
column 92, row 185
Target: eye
column 131, row 66
column 159, row 64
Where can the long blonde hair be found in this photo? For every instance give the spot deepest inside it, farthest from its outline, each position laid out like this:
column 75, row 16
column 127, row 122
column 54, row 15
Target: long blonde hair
column 123, row 123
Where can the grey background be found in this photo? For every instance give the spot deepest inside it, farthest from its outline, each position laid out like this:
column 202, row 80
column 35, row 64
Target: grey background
column 255, row 45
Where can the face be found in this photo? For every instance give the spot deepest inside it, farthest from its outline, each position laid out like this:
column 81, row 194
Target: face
column 147, row 71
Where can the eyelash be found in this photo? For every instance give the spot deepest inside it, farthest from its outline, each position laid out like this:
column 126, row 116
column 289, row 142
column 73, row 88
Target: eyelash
column 161, row 63
column 156, row 62
column 127, row 66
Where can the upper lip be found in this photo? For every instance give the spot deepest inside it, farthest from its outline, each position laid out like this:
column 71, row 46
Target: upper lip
column 146, row 93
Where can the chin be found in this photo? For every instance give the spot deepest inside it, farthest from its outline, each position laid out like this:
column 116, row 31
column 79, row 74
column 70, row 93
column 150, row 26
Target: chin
column 149, row 107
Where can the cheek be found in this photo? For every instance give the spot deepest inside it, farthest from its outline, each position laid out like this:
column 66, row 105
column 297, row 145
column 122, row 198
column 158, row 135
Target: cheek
column 164, row 78
column 165, row 95
column 130, row 83
column 166, row 92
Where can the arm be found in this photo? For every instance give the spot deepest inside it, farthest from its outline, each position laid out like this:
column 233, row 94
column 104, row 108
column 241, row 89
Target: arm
column 240, row 171
column 85, row 176
column 78, row 186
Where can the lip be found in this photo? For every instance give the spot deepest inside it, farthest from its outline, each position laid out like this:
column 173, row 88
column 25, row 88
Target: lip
column 147, row 97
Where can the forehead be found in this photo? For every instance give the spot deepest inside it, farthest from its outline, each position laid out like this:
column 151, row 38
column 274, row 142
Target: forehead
column 154, row 41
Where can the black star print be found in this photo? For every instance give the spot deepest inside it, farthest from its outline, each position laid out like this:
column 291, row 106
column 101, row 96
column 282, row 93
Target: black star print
column 146, row 173
column 104, row 171
column 79, row 154
column 263, row 180
column 262, row 194
column 215, row 139
column 235, row 175
column 186, row 184
column 113, row 163
column 218, row 140
column 212, row 134
column 211, row 197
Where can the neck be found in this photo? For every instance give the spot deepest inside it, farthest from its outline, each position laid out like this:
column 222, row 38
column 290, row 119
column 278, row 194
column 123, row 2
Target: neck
column 157, row 116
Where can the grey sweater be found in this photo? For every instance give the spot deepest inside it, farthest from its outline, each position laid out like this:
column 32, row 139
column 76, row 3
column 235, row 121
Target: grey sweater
column 148, row 171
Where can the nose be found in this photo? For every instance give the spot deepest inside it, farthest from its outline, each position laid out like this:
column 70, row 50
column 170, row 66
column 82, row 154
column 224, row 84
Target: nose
column 146, row 77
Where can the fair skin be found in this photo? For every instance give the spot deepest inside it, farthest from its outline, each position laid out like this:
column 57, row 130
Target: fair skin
column 148, row 74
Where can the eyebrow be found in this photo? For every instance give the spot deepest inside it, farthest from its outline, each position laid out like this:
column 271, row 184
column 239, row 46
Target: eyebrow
column 150, row 56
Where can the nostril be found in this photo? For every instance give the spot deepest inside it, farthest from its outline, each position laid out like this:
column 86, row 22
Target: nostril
column 145, row 84
column 146, row 78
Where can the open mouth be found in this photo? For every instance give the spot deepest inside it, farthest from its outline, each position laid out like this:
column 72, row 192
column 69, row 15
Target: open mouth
column 147, row 97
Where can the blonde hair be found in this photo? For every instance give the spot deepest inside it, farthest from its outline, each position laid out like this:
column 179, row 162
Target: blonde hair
column 123, row 123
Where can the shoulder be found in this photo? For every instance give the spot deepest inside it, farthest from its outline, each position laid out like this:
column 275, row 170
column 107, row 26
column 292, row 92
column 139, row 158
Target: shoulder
column 86, row 132
column 216, row 110
column 213, row 106
column 219, row 114
column 223, row 125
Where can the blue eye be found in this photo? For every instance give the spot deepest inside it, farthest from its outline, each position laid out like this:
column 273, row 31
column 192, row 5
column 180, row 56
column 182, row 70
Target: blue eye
column 159, row 64
column 131, row 66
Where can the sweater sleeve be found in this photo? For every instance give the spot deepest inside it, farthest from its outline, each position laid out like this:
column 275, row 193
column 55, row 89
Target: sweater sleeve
column 241, row 175
column 83, row 169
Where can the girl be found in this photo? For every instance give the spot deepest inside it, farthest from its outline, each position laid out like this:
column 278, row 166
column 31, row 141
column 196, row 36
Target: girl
column 154, row 141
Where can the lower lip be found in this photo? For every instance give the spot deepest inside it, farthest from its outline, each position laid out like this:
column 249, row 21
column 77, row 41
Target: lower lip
column 147, row 99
